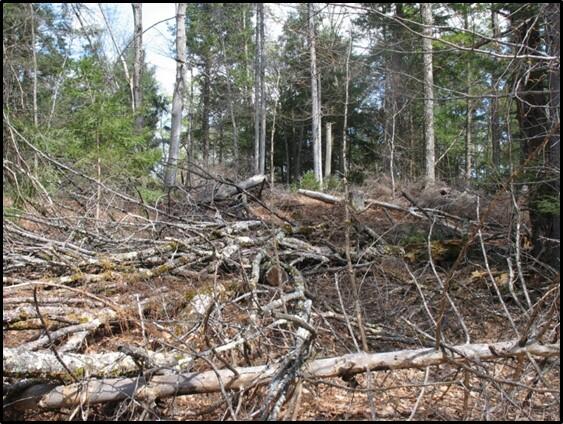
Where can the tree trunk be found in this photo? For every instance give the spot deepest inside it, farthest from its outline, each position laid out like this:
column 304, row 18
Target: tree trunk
column 287, row 158
column 138, row 66
column 426, row 9
column 468, row 114
column 328, row 158
column 540, row 133
column 205, row 109
column 262, row 93
column 258, row 93
column 177, row 98
column 50, row 396
column 189, row 131
column 272, row 174
column 495, row 124
column 316, row 130
column 34, row 58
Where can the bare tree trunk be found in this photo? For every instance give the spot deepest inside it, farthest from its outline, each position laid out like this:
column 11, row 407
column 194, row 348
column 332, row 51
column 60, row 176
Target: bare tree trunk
column 138, row 66
column 468, row 115
column 205, row 109
column 426, row 9
column 98, row 177
column 189, row 139
column 50, row 396
column 328, row 156
column 262, row 94
column 316, row 129
column 299, row 149
column 177, row 99
column 468, row 142
column 274, row 131
column 257, row 93
column 34, row 58
column 495, row 125
column 287, row 158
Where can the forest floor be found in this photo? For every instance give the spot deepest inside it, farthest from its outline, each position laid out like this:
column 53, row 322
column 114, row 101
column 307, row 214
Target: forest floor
column 193, row 278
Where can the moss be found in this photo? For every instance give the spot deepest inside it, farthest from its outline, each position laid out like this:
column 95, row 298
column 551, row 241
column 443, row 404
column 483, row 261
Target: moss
column 189, row 294
column 77, row 276
column 413, row 238
column 106, row 264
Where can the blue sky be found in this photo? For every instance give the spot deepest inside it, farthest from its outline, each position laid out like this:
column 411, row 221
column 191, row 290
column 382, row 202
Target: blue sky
column 156, row 41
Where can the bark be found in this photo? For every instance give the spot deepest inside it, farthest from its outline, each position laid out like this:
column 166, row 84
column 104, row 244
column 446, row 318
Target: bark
column 287, row 174
column 298, row 149
column 262, row 93
column 206, row 108
column 189, row 132
column 468, row 116
column 228, row 191
column 495, row 124
column 177, row 99
column 328, row 158
column 160, row 386
column 258, row 94
column 316, row 129
column 426, row 9
column 138, row 66
column 328, row 198
column 272, row 173
column 34, row 59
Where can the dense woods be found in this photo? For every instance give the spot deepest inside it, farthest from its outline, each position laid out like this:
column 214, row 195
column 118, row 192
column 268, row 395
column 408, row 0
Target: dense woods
column 341, row 211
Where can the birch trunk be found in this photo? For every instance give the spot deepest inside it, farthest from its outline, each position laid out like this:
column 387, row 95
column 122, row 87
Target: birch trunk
column 34, row 58
column 316, row 129
column 177, row 99
column 138, row 66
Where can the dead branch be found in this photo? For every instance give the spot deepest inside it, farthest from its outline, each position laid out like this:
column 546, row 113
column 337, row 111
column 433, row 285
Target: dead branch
column 161, row 386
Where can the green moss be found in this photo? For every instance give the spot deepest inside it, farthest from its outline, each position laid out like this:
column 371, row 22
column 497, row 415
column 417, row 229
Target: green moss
column 189, row 294
column 413, row 238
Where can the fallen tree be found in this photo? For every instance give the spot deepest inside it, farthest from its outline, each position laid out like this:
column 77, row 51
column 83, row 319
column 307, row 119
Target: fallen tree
column 228, row 191
column 50, row 396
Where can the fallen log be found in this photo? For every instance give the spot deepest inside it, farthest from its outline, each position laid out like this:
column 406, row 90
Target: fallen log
column 227, row 191
column 328, row 198
column 46, row 396
column 414, row 211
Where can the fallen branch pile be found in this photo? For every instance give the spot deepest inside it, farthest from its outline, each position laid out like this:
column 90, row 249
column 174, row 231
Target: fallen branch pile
column 140, row 305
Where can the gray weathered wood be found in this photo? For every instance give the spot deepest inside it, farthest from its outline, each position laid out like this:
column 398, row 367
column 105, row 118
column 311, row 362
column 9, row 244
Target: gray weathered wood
column 160, row 386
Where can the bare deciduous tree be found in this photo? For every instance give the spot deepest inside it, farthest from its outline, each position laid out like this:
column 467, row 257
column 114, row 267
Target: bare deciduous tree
column 177, row 100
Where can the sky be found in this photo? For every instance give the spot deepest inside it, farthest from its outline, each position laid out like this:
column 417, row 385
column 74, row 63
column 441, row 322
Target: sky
column 158, row 42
